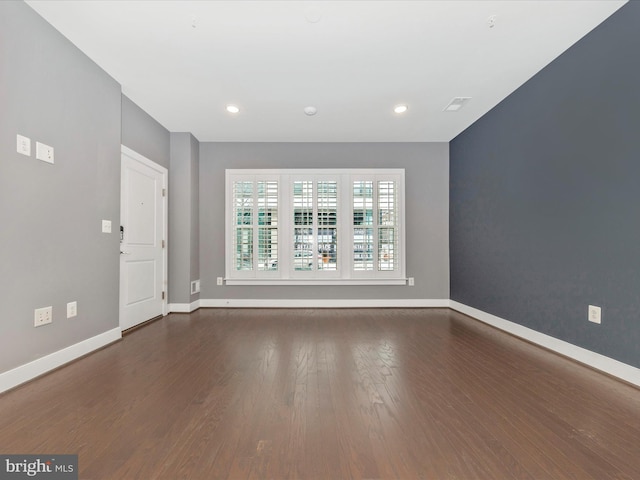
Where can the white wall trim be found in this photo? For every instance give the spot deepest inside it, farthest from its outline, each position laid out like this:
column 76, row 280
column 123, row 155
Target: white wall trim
column 595, row 360
column 184, row 307
column 323, row 303
column 316, row 281
column 29, row 371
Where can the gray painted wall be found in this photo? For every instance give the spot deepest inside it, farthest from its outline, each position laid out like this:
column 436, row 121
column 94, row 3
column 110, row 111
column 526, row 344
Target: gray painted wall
column 183, row 217
column 427, row 173
column 52, row 249
column 545, row 197
column 143, row 134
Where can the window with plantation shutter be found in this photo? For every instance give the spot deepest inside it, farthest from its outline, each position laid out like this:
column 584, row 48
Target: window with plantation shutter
column 315, row 227
column 243, row 206
column 252, row 226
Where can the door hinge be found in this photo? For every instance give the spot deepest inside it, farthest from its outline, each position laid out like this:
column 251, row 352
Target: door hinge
column 162, row 243
column 163, row 295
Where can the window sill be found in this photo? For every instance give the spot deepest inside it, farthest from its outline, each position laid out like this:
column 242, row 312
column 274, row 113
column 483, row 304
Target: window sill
column 315, row 281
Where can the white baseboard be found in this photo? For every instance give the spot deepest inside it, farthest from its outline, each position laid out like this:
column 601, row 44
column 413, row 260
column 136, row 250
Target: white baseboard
column 184, row 307
column 594, row 360
column 323, row 303
column 29, row 371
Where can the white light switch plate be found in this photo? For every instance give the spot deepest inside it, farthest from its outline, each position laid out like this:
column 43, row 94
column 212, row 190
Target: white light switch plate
column 23, row 145
column 72, row 309
column 595, row 314
column 106, row 226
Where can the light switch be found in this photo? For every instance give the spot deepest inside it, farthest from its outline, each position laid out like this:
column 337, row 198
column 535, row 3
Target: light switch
column 106, row 226
column 23, row 145
column 72, row 309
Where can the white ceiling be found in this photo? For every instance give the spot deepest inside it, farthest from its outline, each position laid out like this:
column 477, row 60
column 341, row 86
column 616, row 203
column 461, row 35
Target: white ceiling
column 352, row 60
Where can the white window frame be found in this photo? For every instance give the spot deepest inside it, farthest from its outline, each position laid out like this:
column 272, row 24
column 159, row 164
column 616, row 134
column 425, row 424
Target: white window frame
column 286, row 274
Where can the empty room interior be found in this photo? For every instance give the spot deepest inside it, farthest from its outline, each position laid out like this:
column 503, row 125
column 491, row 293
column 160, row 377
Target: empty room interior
column 320, row 239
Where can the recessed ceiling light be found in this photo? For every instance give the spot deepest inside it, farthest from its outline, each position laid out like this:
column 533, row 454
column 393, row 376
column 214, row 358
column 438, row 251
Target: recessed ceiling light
column 310, row 111
column 232, row 109
column 456, row 104
column 400, row 108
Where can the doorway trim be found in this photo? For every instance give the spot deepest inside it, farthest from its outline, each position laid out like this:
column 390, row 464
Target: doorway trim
column 165, row 223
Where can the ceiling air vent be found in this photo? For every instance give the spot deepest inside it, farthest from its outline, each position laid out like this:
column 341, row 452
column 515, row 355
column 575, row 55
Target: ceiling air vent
column 456, row 104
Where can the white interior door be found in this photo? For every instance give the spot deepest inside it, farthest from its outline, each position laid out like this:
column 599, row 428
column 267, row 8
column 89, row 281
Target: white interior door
column 142, row 246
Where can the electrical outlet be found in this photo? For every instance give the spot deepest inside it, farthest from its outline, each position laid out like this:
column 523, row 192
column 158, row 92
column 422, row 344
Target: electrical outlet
column 44, row 152
column 106, row 226
column 42, row 316
column 412, row 281
column 195, row 287
column 72, row 309
column 220, row 280
column 595, row 314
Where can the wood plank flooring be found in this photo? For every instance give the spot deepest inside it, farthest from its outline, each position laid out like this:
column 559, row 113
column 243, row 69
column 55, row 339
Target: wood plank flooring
column 327, row 394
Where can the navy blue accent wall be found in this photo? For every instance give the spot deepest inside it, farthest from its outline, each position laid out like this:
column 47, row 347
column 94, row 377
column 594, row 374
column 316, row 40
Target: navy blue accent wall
column 545, row 197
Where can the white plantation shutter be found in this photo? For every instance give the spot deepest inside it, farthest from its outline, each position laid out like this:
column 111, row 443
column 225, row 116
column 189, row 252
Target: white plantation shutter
column 243, row 215
column 267, row 225
column 377, row 233
column 327, row 228
column 315, row 226
column 387, row 225
column 302, row 255
column 252, row 226
column 364, row 245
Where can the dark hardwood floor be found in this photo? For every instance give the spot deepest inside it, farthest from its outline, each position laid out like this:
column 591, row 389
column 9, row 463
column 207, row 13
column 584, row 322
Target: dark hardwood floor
column 327, row 394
